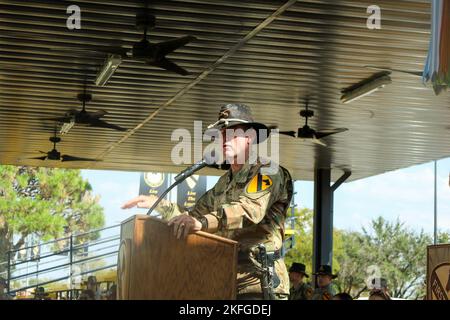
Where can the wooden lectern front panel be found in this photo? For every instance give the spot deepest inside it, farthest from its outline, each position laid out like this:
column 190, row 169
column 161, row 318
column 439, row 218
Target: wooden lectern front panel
column 203, row 266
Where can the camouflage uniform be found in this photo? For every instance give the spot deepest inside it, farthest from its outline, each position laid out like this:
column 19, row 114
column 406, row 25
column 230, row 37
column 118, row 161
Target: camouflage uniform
column 302, row 292
column 250, row 208
column 326, row 293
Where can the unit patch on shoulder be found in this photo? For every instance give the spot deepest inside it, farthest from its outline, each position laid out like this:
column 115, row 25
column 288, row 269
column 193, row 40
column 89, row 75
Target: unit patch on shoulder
column 259, row 183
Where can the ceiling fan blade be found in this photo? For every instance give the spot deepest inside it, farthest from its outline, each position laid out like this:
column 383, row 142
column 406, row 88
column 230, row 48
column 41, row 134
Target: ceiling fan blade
column 166, row 47
column 38, row 158
column 414, row 73
column 103, row 124
column 324, row 133
column 288, row 133
column 102, row 50
column 66, row 157
column 98, row 113
column 59, row 119
column 317, row 141
column 170, row 66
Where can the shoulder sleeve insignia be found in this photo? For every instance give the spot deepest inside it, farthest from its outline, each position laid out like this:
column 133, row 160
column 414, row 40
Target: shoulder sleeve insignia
column 259, row 183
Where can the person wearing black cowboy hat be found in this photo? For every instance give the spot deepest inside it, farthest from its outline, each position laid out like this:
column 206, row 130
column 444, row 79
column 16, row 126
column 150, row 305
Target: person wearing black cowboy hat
column 324, row 277
column 247, row 205
column 299, row 289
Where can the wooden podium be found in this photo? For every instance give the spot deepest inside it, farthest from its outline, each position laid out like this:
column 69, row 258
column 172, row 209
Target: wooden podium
column 154, row 264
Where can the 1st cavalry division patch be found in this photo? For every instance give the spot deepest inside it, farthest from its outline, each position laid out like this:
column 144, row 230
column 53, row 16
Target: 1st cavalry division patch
column 440, row 282
column 259, row 183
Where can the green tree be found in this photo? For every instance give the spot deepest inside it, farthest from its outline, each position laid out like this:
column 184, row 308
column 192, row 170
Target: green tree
column 303, row 248
column 387, row 249
column 45, row 202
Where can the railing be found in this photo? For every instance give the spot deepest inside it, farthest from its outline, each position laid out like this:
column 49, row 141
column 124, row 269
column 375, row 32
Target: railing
column 69, row 263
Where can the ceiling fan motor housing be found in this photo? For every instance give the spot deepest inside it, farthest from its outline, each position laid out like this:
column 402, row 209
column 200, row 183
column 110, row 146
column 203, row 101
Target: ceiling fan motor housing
column 84, row 97
column 305, row 132
column 306, row 113
column 54, row 155
column 55, row 139
column 145, row 20
column 144, row 50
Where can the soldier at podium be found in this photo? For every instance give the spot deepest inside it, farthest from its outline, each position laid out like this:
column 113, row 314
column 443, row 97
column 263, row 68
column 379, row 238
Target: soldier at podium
column 247, row 205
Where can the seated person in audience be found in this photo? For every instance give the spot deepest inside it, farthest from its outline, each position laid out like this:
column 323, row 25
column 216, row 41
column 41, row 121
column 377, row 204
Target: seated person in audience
column 93, row 285
column 112, row 292
column 87, row 295
column 378, row 295
column 379, row 290
column 342, row 296
column 3, row 287
column 40, row 294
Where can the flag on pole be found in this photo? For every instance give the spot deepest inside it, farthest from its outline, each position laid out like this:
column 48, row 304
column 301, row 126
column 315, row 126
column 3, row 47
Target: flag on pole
column 437, row 65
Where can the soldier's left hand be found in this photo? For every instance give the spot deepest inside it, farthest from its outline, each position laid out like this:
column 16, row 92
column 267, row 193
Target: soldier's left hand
column 184, row 224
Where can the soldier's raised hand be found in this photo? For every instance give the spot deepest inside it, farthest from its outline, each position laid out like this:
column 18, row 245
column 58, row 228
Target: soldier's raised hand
column 141, row 201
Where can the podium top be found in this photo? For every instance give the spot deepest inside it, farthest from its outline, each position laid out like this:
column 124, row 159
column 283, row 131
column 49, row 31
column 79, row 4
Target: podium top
column 199, row 233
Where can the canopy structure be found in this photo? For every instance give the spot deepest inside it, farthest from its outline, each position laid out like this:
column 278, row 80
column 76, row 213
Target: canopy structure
column 271, row 55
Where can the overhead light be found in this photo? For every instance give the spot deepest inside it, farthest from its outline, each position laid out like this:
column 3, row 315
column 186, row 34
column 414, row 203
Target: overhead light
column 366, row 87
column 67, row 126
column 112, row 62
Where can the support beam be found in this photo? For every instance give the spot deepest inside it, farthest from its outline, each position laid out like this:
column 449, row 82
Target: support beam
column 323, row 219
column 323, row 216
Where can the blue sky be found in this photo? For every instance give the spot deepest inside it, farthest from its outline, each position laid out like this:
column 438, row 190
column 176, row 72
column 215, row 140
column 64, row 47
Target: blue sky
column 406, row 194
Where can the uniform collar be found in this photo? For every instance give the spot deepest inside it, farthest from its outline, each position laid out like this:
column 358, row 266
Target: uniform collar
column 242, row 175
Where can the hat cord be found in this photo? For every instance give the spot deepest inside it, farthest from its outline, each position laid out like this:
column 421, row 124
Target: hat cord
column 226, row 121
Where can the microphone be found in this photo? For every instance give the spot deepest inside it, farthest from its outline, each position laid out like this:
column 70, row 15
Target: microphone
column 207, row 161
column 191, row 170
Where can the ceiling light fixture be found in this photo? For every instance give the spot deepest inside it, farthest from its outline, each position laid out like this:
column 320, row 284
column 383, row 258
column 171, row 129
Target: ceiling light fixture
column 67, row 126
column 112, row 62
column 366, row 87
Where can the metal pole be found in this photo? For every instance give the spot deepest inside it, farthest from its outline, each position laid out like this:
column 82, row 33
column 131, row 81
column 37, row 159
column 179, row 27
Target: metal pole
column 323, row 217
column 323, row 221
column 70, row 268
column 9, row 272
column 435, row 202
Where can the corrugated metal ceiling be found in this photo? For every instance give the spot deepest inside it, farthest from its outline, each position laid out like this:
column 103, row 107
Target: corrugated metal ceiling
column 267, row 54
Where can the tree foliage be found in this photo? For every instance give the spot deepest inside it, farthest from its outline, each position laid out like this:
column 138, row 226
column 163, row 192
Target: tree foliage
column 385, row 249
column 46, row 202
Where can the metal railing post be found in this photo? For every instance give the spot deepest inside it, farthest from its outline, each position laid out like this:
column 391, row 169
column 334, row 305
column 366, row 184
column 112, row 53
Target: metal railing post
column 71, row 264
column 9, row 272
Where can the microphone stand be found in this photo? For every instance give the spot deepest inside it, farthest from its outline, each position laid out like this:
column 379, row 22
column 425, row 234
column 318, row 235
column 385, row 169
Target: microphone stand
column 183, row 176
column 173, row 185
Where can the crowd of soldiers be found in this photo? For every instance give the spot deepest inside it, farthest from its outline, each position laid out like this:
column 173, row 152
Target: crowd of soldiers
column 301, row 289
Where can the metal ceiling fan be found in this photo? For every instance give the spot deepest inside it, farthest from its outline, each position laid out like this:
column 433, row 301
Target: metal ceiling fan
column 83, row 117
column 306, row 132
column 153, row 54
column 56, row 155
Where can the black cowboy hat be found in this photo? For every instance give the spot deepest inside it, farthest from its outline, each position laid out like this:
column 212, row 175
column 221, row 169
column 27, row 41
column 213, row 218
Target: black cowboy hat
column 235, row 114
column 299, row 268
column 326, row 270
